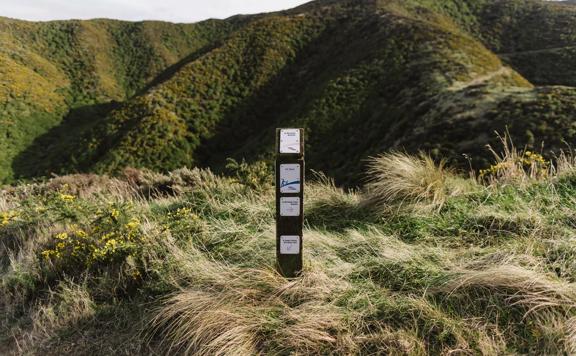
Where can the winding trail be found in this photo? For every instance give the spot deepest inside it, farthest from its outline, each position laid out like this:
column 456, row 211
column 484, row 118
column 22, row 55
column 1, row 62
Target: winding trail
column 536, row 51
column 481, row 79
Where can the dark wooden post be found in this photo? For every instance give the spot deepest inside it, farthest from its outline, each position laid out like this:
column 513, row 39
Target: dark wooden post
column 289, row 200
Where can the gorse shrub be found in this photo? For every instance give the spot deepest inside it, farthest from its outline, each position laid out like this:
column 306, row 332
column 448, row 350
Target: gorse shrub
column 255, row 176
column 513, row 165
column 111, row 238
column 90, row 238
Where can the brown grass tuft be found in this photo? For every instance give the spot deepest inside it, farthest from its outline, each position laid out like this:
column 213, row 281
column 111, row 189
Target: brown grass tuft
column 202, row 324
column 537, row 295
column 401, row 178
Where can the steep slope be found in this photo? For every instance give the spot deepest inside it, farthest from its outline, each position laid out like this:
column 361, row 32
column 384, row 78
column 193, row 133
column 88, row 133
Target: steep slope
column 50, row 69
column 361, row 76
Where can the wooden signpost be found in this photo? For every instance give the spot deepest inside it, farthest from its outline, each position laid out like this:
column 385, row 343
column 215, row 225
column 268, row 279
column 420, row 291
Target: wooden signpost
column 289, row 200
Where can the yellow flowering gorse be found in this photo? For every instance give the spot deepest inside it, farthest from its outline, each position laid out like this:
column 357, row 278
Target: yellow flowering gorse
column 528, row 161
column 66, row 197
column 109, row 240
column 7, row 217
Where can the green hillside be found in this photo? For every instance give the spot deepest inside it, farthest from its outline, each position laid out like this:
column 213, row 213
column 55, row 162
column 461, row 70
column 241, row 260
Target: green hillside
column 361, row 77
column 65, row 75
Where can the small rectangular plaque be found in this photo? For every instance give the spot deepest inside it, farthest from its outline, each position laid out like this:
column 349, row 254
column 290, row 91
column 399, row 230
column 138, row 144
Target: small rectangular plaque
column 290, row 178
column 290, row 206
column 289, row 245
column 289, row 141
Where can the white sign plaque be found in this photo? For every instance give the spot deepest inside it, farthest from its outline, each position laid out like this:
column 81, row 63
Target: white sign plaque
column 289, row 141
column 290, row 178
column 289, row 245
column 290, row 206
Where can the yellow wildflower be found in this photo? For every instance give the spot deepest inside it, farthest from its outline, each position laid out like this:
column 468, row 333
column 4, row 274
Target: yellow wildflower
column 133, row 224
column 114, row 214
column 67, row 197
column 62, row 236
column 183, row 211
column 46, row 254
column 80, row 233
column 111, row 244
column 107, row 236
column 5, row 219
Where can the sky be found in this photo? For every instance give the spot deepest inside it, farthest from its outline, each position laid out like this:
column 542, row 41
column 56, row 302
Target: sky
column 136, row 10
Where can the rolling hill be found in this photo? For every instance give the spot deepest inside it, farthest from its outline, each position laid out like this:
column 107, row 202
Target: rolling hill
column 361, row 76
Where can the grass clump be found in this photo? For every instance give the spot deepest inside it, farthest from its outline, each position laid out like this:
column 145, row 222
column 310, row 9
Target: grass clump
column 512, row 165
column 399, row 178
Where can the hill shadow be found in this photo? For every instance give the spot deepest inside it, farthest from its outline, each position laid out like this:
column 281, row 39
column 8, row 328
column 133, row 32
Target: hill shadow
column 176, row 67
column 288, row 99
column 53, row 151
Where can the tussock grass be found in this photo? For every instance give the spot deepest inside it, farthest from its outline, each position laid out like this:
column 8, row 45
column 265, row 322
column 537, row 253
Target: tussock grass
column 538, row 295
column 224, row 310
column 199, row 324
column 479, row 270
column 571, row 336
column 398, row 178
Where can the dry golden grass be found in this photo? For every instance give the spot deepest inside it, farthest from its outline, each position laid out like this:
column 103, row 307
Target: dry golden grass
column 565, row 164
column 515, row 166
column 224, row 310
column 518, row 286
column 241, row 312
column 398, row 178
column 570, row 339
column 200, row 323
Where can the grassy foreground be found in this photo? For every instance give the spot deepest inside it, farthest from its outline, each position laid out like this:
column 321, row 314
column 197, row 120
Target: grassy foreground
column 421, row 262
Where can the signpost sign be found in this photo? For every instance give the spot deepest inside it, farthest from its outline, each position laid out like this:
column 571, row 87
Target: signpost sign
column 289, row 200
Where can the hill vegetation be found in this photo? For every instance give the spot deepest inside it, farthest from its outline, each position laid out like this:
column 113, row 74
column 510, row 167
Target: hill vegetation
column 64, row 75
column 361, row 76
column 420, row 262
